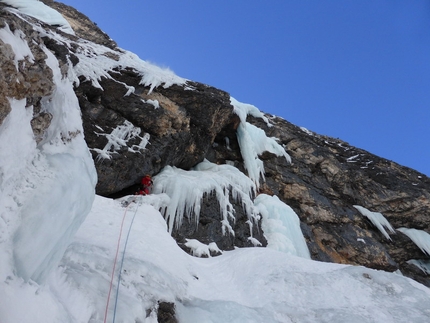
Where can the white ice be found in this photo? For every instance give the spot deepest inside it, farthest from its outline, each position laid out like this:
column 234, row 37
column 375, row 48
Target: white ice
column 95, row 63
column 419, row 237
column 119, row 137
column 245, row 109
column 253, row 141
column 422, row 264
column 41, row 204
column 281, row 226
column 187, row 189
column 378, row 220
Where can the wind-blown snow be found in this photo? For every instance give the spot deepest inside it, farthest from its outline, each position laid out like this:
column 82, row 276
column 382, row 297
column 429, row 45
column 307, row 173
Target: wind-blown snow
column 419, row 237
column 39, row 10
column 95, row 62
column 187, row 189
column 281, row 226
column 378, row 220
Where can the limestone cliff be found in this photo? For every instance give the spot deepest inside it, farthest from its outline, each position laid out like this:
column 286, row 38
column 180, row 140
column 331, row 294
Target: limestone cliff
column 182, row 124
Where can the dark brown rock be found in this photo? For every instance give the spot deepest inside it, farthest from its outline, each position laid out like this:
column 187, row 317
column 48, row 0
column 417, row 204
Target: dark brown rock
column 182, row 129
column 166, row 313
column 81, row 24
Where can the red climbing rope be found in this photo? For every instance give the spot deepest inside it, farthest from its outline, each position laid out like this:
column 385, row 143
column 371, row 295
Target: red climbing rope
column 114, row 264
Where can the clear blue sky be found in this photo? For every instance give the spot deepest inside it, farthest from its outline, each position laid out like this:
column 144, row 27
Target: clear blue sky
column 355, row 70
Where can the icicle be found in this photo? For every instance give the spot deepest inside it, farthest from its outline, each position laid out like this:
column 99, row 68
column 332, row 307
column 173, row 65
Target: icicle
column 187, row 189
column 377, row 219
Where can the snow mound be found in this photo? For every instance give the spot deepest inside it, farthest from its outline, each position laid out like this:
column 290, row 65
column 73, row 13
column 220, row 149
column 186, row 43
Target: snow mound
column 199, row 249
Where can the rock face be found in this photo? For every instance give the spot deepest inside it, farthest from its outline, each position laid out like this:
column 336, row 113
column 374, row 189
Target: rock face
column 181, row 128
column 187, row 123
column 29, row 78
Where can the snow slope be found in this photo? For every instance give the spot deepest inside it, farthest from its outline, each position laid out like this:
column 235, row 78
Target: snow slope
column 243, row 285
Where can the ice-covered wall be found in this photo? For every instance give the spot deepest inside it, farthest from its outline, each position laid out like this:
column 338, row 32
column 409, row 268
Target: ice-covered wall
column 253, row 141
column 46, row 189
column 281, row 226
column 186, row 190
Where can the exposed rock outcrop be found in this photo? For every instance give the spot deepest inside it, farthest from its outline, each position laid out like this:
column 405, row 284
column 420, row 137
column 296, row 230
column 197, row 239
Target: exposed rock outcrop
column 25, row 77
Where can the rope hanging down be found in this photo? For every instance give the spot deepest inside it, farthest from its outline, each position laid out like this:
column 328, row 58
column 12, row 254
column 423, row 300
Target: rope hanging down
column 115, row 261
column 122, row 262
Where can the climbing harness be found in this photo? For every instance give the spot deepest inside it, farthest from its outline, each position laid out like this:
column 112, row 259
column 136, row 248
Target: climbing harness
column 122, row 261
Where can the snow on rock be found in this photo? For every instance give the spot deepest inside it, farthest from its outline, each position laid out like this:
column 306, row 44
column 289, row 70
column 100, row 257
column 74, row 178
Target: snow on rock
column 378, row 220
column 39, row 10
column 18, row 43
column 281, row 226
column 96, row 61
column 119, row 137
column 154, row 103
column 419, row 237
column 253, row 141
column 245, row 109
column 186, row 190
column 199, row 249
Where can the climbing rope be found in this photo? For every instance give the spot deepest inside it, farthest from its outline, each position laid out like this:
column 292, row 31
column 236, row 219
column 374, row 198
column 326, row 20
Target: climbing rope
column 116, row 257
column 122, row 262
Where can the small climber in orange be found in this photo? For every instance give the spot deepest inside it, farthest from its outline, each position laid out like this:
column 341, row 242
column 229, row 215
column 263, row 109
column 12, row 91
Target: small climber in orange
column 146, row 184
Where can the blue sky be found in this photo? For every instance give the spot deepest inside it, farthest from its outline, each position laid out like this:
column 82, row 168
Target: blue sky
column 354, row 70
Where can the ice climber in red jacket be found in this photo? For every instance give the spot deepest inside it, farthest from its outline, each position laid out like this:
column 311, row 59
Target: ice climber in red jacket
column 146, row 184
